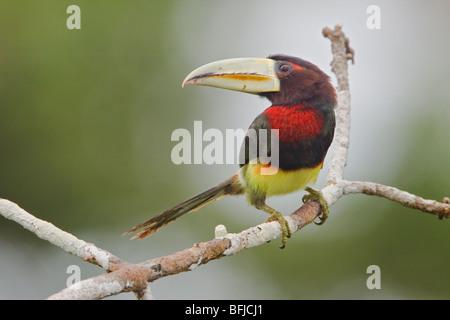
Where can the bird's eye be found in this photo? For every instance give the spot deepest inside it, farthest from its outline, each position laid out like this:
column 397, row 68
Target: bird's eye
column 284, row 68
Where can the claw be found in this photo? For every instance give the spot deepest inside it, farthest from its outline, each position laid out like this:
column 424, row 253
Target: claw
column 318, row 196
column 277, row 216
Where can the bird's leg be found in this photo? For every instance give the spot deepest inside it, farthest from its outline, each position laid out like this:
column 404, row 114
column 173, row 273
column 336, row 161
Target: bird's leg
column 317, row 195
column 277, row 216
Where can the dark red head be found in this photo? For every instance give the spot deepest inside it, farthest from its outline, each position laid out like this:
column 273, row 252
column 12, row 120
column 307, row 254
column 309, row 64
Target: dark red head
column 300, row 82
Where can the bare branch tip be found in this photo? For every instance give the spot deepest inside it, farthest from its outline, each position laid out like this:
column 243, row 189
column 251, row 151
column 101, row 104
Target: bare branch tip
column 337, row 34
column 326, row 32
column 445, row 213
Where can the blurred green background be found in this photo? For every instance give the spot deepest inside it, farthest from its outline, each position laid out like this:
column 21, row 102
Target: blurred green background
column 86, row 118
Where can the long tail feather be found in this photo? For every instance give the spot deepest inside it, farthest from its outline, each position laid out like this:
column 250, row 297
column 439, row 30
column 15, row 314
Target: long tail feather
column 231, row 186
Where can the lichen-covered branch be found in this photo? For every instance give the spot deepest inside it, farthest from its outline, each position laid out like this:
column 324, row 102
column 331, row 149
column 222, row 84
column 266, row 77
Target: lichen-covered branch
column 66, row 241
column 127, row 278
column 135, row 277
column 439, row 209
column 339, row 65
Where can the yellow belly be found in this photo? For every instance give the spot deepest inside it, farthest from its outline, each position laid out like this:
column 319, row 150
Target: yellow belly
column 282, row 182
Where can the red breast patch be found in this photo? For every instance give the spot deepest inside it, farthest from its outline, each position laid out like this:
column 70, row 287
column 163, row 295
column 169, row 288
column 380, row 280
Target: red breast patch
column 295, row 122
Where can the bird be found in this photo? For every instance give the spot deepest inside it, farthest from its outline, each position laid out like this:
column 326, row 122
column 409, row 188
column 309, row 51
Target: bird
column 302, row 116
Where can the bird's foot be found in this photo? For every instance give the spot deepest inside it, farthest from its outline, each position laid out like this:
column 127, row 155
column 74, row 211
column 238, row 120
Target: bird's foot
column 286, row 231
column 317, row 195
